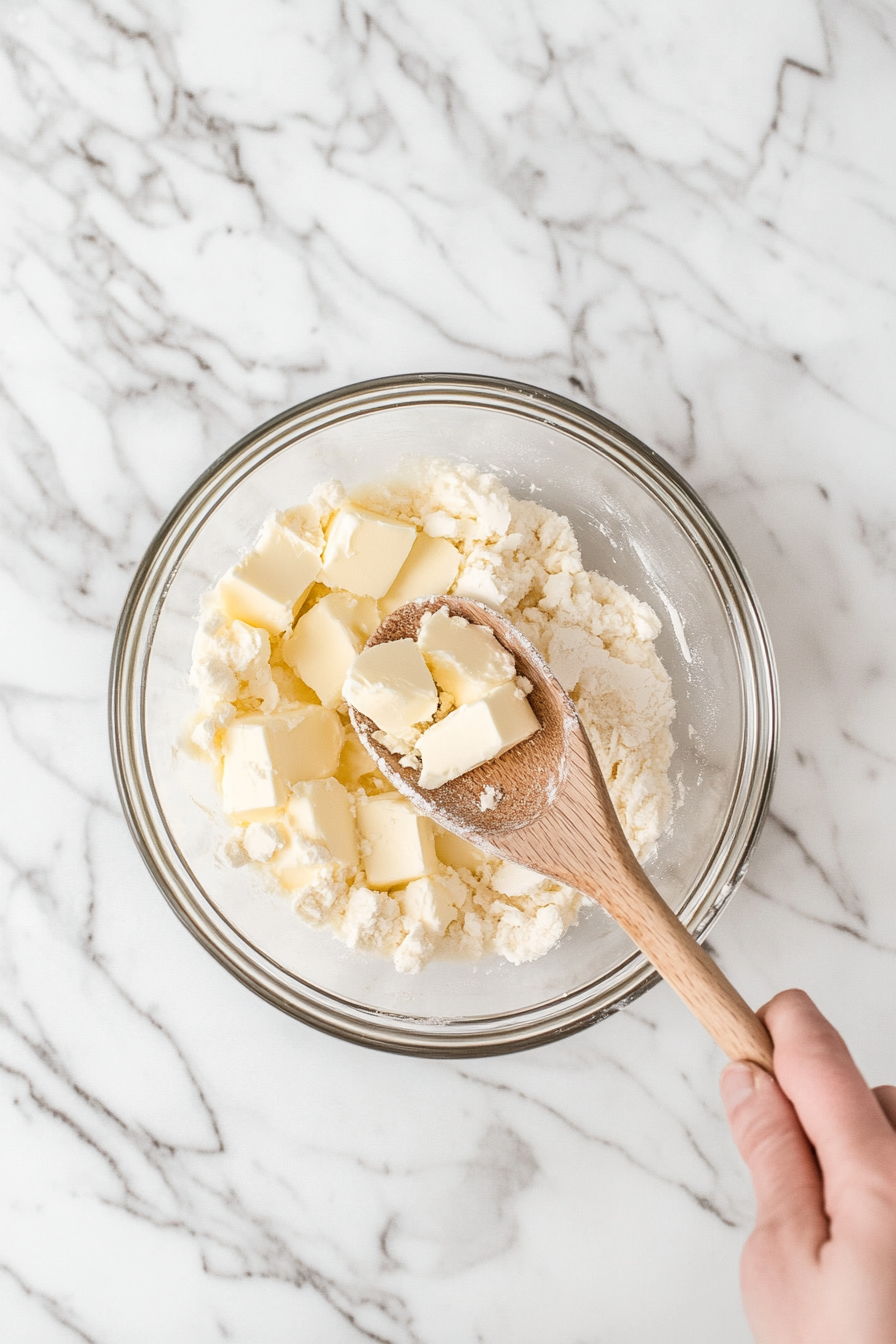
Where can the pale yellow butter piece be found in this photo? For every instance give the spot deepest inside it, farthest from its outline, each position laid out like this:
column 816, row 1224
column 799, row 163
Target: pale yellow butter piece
column 321, row 810
column 430, row 569
column 512, row 879
column 364, row 551
column 428, row 901
column 252, row 787
column 398, row 841
column 327, row 639
column 306, row 742
column 264, row 754
column 475, row 733
column 457, row 852
column 268, row 586
column 319, row 818
column 392, row 685
column 465, row 659
column 355, row 761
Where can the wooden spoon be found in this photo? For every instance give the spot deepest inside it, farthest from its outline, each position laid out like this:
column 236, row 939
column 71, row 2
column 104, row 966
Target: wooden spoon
column 555, row 816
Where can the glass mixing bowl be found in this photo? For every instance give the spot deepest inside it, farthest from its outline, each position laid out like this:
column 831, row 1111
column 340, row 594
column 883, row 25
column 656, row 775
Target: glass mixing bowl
column 637, row 522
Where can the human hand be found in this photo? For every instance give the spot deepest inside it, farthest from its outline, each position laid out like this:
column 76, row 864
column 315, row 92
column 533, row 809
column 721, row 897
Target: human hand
column 820, row 1265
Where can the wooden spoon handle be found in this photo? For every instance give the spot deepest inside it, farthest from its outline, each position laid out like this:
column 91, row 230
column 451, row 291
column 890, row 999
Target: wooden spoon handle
column 636, row 905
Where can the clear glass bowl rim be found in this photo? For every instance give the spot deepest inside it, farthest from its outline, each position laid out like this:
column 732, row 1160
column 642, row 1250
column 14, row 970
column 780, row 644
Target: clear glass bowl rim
column 145, row 818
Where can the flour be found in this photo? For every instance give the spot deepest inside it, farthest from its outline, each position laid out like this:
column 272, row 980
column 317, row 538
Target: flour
column 490, row 797
column 524, row 560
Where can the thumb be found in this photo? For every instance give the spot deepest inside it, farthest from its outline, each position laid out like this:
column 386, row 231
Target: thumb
column 769, row 1137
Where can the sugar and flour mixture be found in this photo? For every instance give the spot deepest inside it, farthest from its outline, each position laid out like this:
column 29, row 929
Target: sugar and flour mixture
column 353, row 857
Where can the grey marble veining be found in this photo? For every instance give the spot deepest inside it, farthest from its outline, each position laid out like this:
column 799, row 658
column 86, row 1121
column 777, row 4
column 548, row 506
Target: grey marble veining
column 681, row 213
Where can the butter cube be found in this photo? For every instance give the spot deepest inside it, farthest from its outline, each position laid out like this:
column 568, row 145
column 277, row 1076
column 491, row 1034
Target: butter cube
column 428, row 901
column 431, row 568
column 306, row 742
column 265, row 754
column 252, row 788
column 355, row 761
column 327, row 639
column 457, row 852
column 269, row 585
column 512, row 879
column 321, row 810
column 322, row 829
column 475, row 733
column 398, row 843
column 391, row 684
column 465, row 659
column 364, row 552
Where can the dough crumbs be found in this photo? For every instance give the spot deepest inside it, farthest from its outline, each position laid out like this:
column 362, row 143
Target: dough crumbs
column 524, row 560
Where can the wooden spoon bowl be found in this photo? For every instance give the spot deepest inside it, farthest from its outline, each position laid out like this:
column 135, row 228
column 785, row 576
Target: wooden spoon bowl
column 554, row 815
column 529, row 776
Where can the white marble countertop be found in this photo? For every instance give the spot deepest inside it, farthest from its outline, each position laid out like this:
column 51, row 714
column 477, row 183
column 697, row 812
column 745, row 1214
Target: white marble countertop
column 680, row 212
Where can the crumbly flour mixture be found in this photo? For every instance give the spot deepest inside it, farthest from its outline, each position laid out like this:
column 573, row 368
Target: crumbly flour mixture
column 522, row 558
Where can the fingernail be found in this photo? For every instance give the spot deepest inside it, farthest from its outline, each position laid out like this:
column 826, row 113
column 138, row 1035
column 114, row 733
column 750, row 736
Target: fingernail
column 736, row 1084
